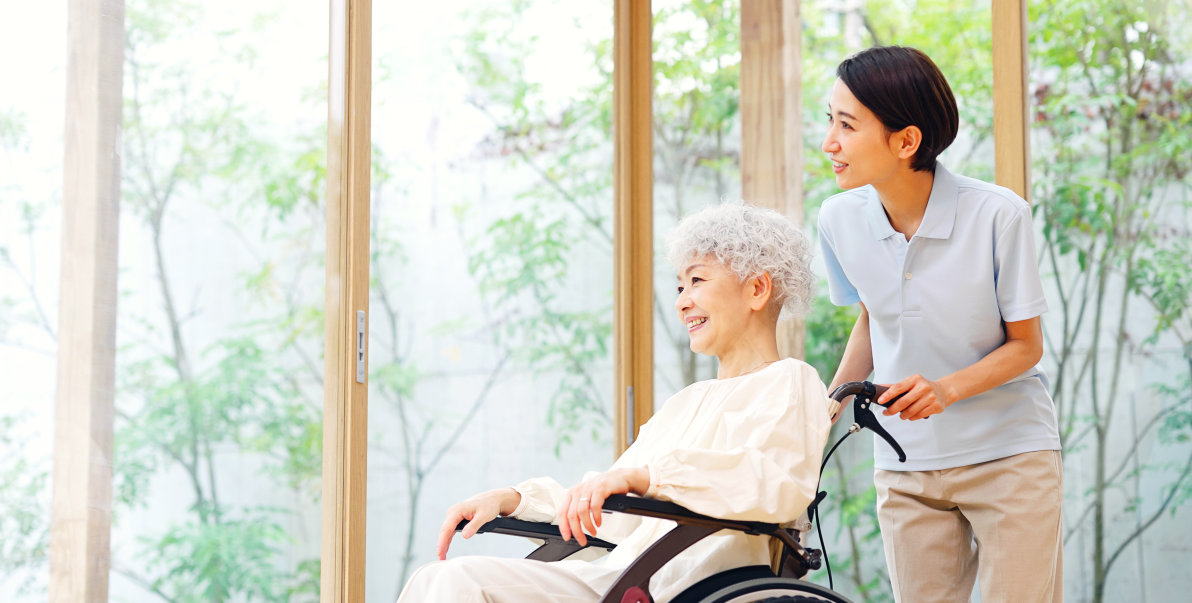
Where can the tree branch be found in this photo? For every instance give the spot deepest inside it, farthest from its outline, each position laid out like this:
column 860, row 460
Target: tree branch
column 1137, row 533
column 553, row 183
column 139, row 581
column 471, row 414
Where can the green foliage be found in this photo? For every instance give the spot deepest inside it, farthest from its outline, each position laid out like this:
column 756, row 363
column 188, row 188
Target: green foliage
column 964, row 55
column 1165, row 278
column 1111, row 107
column 192, row 142
column 24, row 325
column 231, row 559
column 397, row 377
column 1177, row 425
column 522, row 259
column 521, row 256
column 696, row 139
column 13, row 134
column 290, row 175
column 25, row 309
column 241, row 399
column 520, row 265
column 24, row 509
column 697, row 56
column 849, row 515
column 828, row 327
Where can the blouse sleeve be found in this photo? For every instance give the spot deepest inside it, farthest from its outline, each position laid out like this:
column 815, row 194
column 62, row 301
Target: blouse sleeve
column 766, row 465
column 540, row 499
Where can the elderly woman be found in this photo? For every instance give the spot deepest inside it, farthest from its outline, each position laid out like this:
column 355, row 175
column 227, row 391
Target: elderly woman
column 745, row 445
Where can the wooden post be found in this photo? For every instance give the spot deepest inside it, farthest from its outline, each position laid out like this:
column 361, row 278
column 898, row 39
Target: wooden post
column 81, row 518
column 1011, row 141
column 345, row 399
column 772, row 122
column 633, row 176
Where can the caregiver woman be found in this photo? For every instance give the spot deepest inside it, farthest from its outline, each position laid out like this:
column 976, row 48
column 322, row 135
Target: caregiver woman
column 944, row 270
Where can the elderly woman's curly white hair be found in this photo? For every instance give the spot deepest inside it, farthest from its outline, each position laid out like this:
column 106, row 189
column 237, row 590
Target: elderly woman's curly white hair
column 749, row 240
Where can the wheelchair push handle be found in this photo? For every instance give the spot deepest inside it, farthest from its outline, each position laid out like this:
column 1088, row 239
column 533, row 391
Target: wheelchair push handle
column 870, row 390
column 864, row 396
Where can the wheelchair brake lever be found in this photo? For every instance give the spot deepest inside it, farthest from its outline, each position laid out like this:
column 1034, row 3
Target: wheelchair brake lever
column 863, row 415
column 864, row 393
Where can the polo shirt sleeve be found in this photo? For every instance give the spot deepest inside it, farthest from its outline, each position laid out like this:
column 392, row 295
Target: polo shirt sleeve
column 1016, row 270
column 840, row 290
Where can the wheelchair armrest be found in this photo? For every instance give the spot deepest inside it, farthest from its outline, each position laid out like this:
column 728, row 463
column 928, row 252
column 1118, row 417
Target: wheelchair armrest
column 692, row 528
column 650, row 507
column 538, row 530
column 631, row 505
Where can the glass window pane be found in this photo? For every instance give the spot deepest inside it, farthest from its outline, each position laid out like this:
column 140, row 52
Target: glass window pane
column 219, row 372
column 1110, row 88
column 219, row 393
column 32, row 104
column 491, row 305
column 697, row 151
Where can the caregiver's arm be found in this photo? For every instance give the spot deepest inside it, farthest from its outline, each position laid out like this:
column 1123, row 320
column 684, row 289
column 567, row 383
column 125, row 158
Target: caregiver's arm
column 857, row 362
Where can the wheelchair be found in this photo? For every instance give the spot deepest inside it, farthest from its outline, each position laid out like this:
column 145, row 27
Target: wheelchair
column 739, row 585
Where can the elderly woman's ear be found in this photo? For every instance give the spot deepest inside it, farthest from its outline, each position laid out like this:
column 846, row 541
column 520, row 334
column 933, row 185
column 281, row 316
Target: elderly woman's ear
column 759, row 288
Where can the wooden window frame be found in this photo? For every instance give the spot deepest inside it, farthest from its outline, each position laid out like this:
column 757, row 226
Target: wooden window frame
column 1011, row 134
column 345, row 398
column 633, row 240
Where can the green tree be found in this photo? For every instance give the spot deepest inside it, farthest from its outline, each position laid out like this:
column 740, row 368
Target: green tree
column 1112, row 100
column 26, row 308
column 516, row 262
column 188, row 139
column 697, row 60
column 25, row 326
column 24, row 510
column 568, row 146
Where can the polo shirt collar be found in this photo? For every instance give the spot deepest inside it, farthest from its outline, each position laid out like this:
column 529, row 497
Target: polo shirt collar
column 938, row 219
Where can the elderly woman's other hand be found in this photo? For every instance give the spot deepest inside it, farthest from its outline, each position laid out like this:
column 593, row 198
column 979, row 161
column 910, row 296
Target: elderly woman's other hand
column 580, row 510
column 479, row 510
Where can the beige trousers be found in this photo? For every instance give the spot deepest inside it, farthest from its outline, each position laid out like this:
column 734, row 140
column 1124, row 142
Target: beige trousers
column 999, row 519
column 495, row 580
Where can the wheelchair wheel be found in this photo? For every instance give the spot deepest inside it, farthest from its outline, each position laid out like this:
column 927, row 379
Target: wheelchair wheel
column 796, row 599
column 774, row 590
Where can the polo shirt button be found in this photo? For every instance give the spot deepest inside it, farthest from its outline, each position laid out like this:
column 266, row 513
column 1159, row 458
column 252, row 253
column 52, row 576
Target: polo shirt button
column 908, row 276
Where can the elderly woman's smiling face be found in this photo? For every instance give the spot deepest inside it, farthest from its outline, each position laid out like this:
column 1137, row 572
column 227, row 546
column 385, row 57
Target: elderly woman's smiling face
column 713, row 304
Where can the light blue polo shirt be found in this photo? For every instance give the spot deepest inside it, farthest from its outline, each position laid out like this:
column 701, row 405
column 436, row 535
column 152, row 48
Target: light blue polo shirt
column 936, row 305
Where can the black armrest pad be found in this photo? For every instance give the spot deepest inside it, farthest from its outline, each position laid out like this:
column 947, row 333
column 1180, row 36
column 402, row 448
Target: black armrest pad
column 650, row 507
column 530, row 529
column 622, row 503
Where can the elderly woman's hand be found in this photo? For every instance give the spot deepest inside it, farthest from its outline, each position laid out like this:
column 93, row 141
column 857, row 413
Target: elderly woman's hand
column 479, row 510
column 580, row 509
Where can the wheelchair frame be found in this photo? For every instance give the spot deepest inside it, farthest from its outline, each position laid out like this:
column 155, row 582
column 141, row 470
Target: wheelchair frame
column 632, row 585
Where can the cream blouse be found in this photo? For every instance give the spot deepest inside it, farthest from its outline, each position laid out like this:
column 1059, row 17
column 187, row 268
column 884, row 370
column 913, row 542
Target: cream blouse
column 747, row 448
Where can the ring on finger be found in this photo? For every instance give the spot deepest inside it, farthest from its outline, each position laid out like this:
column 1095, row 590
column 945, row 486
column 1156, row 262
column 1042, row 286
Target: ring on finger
column 584, row 499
